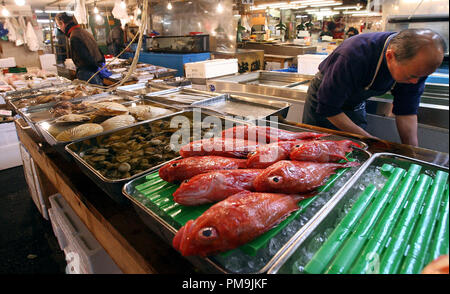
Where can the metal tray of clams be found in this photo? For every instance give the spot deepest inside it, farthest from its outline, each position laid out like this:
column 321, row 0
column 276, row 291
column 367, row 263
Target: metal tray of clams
column 107, row 117
column 235, row 261
column 115, row 158
column 52, row 110
column 181, row 96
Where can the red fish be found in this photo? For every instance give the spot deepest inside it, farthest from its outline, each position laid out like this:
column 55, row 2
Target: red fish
column 266, row 155
column 322, row 151
column 267, row 134
column 296, row 176
column 215, row 186
column 186, row 168
column 220, row 147
column 233, row 222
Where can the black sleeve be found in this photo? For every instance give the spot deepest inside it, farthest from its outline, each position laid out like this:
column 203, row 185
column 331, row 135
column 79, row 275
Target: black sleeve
column 82, row 51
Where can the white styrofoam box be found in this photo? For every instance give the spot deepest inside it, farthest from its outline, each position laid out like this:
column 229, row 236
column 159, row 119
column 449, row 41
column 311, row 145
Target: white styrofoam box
column 62, row 240
column 211, row 68
column 33, row 181
column 80, row 241
column 308, row 64
column 48, row 62
column 8, row 62
column 9, row 156
column 8, row 134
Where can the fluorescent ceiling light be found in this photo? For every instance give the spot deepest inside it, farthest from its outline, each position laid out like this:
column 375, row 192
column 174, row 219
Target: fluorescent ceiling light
column 346, row 7
column 321, row 5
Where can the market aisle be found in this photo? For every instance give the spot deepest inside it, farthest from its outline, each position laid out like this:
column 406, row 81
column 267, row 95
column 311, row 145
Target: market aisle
column 27, row 242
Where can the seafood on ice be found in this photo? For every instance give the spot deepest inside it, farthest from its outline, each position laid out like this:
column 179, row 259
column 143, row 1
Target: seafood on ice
column 267, row 134
column 288, row 176
column 215, row 186
column 220, row 147
column 186, row 168
column 322, row 150
column 233, row 222
column 266, row 155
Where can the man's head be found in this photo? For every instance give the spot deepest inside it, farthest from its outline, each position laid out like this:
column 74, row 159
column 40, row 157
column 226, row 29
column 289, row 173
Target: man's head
column 413, row 54
column 63, row 19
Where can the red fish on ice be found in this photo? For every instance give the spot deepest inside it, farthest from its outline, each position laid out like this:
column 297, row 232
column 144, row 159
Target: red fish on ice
column 322, row 150
column 182, row 169
column 288, row 176
column 233, row 222
column 267, row 134
column 266, row 155
column 215, row 186
column 220, row 147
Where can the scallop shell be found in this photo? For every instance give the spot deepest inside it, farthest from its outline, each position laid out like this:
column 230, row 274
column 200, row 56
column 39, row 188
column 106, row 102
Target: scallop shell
column 80, row 131
column 145, row 112
column 117, row 122
column 71, row 118
column 110, row 108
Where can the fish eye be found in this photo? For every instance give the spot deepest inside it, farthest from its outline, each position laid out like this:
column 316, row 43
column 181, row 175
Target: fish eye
column 174, row 165
column 208, row 233
column 296, row 146
column 275, row 179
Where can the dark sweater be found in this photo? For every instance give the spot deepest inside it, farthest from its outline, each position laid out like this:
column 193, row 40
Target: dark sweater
column 84, row 49
column 350, row 68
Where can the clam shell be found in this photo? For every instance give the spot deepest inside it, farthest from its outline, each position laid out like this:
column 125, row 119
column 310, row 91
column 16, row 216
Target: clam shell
column 145, row 112
column 117, row 122
column 110, row 108
column 80, row 131
column 71, row 118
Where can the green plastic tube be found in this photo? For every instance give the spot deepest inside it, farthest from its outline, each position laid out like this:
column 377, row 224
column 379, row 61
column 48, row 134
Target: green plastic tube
column 327, row 251
column 351, row 248
column 416, row 256
column 440, row 241
column 392, row 256
column 384, row 227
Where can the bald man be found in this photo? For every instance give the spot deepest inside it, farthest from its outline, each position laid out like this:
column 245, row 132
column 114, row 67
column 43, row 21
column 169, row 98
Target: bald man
column 369, row 65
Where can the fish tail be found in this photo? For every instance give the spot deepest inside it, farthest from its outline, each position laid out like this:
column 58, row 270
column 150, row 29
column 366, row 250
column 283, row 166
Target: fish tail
column 350, row 164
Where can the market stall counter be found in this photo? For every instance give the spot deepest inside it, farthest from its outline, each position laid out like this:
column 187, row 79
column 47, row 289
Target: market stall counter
column 124, row 235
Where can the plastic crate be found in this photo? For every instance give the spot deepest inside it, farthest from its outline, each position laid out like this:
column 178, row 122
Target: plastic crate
column 81, row 244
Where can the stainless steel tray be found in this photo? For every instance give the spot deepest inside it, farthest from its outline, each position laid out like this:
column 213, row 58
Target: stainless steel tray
column 113, row 187
column 245, row 107
column 14, row 102
column 35, row 91
column 181, row 96
column 142, row 88
column 231, row 262
column 44, row 126
column 42, row 112
column 297, row 252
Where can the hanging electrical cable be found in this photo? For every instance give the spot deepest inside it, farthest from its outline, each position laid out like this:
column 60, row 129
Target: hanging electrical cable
column 136, row 55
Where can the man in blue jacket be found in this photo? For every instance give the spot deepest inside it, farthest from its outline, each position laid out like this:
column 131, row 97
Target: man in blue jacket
column 370, row 65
